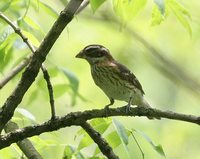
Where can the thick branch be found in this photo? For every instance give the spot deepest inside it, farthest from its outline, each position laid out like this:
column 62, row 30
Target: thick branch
column 32, row 69
column 44, row 70
column 101, row 142
column 25, row 145
column 24, row 63
column 77, row 118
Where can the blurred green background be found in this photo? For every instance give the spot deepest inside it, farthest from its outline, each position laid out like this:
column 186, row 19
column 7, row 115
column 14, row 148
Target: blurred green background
column 73, row 84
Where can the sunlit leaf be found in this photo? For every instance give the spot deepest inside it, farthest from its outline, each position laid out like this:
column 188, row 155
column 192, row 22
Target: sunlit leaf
column 128, row 9
column 121, row 131
column 6, row 32
column 26, row 113
column 85, row 142
column 74, row 83
column 5, row 6
column 156, row 16
column 48, row 9
column 31, row 38
column 97, row 157
column 181, row 14
column 33, row 96
column 60, row 89
column 101, row 125
column 157, row 148
column 6, row 49
column 113, row 139
column 27, row 5
column 161, row 5
column 70, row 152
column 95, row 4
column 31, row 23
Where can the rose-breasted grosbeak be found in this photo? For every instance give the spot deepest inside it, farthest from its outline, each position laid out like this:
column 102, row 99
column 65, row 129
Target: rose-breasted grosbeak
column 116, row 81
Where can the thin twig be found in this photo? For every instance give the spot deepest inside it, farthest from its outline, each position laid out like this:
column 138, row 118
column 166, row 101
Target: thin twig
column 25, row 145
column 99, row 140
column 138, row 145
column 77, row 118
column 14, row 71
column 32, row 70
column 25, row 62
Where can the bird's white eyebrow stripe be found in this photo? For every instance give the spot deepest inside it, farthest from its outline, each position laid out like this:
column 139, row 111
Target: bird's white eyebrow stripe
column 91, row 47
column 104, row 49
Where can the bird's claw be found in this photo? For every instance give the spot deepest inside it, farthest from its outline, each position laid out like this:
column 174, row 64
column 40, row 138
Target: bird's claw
column 128, row 108
column 106, row 109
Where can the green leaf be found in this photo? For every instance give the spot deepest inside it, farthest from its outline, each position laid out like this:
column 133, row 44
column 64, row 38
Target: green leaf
column 181, row 14
column 7, row 34
column 33, row 96
column 95, row 4
column 68, row 152
column 113, row 139
column 101, row 125
column 48, row 9
column 60, row 89
column 156, row 16
column 74, row 83
column 85, row 142
column 31, row 23
column 26, row 113
column 31, row 38
column 6, row 49
column 157, row 148
column 127, row 9
column 96, row 157
column 5, row 6
column 161, row 6
column 122, row 132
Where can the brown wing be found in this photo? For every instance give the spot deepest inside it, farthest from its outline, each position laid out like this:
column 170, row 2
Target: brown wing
column 127, row 75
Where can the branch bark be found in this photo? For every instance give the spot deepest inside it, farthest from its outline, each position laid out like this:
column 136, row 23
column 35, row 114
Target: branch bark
column 99, row 140
column 43, row 68
column 25, row 145
column 29, row 75
column 77, row 118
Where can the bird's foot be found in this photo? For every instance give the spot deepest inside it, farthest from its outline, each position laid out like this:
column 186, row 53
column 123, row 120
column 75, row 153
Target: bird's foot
column 106, row 109
column 128, row 108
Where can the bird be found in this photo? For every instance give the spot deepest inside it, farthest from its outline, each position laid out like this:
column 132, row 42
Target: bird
column 113, row 78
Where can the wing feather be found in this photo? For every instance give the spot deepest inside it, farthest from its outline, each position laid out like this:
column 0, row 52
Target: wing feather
column 127, row 75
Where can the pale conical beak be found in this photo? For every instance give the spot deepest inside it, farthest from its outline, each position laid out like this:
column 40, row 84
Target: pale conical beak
column 80, row 55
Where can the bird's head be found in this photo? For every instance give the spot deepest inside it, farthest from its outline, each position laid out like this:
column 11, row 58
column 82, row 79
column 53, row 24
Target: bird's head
column 95, row 54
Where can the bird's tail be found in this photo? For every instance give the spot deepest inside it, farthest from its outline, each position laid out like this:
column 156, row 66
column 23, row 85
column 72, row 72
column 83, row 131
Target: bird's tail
column 144, row 103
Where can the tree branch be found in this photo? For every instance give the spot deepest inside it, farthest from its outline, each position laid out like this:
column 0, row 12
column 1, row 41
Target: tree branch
column 14, row 71
column 29, row 75
column 77, row 118
column 25, row 145
column 44, row 70
column 101, row 142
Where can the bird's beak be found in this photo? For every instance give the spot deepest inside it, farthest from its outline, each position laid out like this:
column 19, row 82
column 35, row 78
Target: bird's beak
column 80, row 55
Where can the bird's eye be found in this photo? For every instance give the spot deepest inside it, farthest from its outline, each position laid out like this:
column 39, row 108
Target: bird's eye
column 100, row 53
column 95, row 53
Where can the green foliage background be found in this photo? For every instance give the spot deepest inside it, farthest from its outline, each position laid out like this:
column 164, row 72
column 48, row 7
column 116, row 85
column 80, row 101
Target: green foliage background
column 177, row 36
